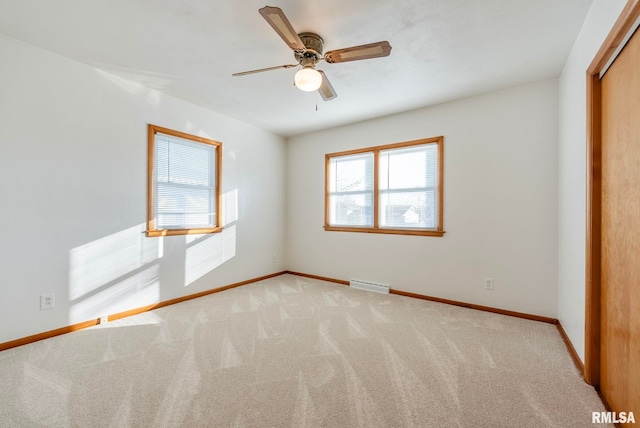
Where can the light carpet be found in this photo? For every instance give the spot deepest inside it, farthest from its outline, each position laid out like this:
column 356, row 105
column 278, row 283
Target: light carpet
column 297, row 352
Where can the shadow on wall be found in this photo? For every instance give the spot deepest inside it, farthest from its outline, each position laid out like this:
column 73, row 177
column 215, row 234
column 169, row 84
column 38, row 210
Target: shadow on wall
column 122, row 271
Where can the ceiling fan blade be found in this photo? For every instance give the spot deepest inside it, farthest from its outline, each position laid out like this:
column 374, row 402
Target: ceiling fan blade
column 276, row 18
column 260, row 70
column 371, row 50
column 326, row 90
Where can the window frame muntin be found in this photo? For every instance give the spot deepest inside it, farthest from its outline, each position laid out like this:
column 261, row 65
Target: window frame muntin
column 438, row 231
column 151, row 231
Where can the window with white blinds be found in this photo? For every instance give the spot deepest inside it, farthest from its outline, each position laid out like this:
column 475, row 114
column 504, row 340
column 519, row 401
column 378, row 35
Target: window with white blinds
column 184, row 182
column 407, row 197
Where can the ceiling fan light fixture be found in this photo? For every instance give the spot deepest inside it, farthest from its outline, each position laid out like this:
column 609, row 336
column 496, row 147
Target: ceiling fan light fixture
column 308, row 79
column 308, row 49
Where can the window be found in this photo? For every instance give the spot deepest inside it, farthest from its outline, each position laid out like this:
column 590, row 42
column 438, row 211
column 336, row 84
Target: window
column 395, row 188
column 183, row 189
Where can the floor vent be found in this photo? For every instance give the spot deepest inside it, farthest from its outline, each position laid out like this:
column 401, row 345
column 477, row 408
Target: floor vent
column 369, row 286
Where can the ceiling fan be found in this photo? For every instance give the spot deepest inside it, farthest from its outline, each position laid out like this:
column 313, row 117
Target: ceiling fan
column 307, row 49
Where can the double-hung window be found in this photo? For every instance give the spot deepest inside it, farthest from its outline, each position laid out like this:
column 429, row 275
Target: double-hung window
column 395, row 188
column 183, row 183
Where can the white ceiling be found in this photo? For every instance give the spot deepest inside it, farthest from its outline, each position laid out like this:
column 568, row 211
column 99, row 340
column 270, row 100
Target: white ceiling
column 442, row 50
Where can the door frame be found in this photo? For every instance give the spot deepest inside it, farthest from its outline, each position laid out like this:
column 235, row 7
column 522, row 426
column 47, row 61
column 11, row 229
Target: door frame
column 621, row 28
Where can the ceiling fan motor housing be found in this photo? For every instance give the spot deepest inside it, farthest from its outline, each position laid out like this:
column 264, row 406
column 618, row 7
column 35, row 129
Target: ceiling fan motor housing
column 314, row 47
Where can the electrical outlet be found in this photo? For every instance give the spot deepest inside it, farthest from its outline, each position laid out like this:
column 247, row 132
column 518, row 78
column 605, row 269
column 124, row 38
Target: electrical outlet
column 488, row 283
column 104, row 319
column 47, row 301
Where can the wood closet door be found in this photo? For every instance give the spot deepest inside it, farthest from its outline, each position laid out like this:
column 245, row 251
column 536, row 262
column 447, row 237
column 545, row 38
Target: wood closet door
column 620, row 263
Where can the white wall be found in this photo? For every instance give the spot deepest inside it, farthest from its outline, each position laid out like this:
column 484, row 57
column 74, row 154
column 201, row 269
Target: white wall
column 73, row 191
column 500, row 203
column 572, row 168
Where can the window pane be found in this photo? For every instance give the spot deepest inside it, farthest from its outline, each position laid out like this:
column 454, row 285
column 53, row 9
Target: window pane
column 351, row 173
column 431, row 152
column 408, row 209
column 184, row 183
column 408, row 168
column 182, row 161
column 184, row 207
column 182, row 221
column 190, row 165
column 162, row 160
column 351, row 210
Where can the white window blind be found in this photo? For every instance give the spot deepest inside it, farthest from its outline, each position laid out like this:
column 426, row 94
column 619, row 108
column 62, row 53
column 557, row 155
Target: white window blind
column 184, row 183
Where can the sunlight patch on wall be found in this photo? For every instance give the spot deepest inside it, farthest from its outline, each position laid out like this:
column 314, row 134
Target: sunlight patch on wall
column 113, row 274
column 207, row 253
column 189, row 127
column 230, row 206
column 139, row 289
column 104, row 260
column 138, row 82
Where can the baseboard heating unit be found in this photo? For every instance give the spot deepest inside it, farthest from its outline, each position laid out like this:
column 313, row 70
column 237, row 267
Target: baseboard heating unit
column 369, row 286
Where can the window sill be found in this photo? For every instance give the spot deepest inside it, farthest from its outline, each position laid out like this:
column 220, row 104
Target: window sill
column 174, row 232
column 437, row 233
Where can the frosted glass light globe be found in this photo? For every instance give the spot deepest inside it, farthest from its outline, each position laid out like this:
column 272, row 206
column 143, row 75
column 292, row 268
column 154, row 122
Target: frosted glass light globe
column 308, row 79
